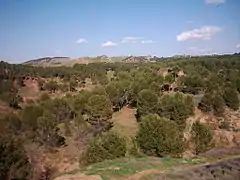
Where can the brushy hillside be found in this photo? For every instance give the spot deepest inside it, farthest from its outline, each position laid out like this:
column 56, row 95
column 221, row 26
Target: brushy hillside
column 86, row 115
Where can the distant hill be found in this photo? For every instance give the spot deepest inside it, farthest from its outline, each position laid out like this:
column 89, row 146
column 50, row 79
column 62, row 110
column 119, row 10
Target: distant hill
column 46, row 61
column 67, row 61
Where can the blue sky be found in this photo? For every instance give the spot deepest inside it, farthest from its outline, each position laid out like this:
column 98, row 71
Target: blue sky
column 37, row 28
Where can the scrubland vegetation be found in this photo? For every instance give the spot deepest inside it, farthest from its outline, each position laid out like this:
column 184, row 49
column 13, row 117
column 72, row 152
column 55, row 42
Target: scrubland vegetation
column 76, row 104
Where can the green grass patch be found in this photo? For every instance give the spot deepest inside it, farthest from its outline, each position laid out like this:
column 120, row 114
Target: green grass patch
column 121, row 168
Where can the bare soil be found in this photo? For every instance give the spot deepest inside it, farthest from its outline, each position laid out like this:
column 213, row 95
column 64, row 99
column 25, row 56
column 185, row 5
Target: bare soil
column 228, row 169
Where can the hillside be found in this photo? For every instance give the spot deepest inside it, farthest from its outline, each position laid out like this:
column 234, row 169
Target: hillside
column 121, row 120
column 67, row 61
column 47, row 61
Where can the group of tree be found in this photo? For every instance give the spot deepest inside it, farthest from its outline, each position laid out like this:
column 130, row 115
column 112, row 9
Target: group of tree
column 161, row 115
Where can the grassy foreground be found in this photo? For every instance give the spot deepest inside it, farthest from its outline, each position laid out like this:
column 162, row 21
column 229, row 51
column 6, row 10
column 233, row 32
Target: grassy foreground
column 123, row 168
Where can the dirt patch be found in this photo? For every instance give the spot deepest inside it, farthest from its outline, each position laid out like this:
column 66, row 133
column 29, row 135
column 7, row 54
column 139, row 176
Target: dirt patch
column 221, row 152
column 138, row 175
column 30, row 91
column 79, row 177
column 125, row 122
column 223, row 170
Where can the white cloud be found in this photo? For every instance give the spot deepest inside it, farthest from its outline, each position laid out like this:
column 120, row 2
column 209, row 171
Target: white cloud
column 147, row 42
column 203, row 33
column 238, row 46
column 109, row 43
column 81, row 40
column 131, row 39
column 215, row 1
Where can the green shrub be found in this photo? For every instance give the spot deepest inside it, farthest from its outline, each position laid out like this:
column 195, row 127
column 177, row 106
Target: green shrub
column 205, row 105
column 177, row 107
column 202, row 137
column 212, row 102
column 14, row 162
column 106, row 147
column 231, row 98
column 134, row 150
column 44, row 97
column 158, row 136
column 147, row 102
column 218, row 104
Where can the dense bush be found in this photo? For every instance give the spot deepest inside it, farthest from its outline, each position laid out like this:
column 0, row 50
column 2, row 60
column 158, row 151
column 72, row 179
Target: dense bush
column 105, row 147
column 212, row 102
column 147, row 102
column 231, row 98
column 44, row 97
column 202, row 137
column 206, row 103
column 218, row 104
column 176, row 107
column 158, row 136
column 14, row 163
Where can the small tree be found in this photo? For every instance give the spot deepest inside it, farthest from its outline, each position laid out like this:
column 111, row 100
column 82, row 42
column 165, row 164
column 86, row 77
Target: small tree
column 99, row 108
column 14, row 163
column 205, row 105
column 212, row 102
column 218, row 104
column 177, row 107
column 202, row 137
column 158, row 136
column 108, row 146
column 51, row 86
column 147, row 102
column 231, row 98
column 44, row 97
column 47, row 131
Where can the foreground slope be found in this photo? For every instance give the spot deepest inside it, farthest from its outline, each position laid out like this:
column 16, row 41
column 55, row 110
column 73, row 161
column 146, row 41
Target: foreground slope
column 149, row 168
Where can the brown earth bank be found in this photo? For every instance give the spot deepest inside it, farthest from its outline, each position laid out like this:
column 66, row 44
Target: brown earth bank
column 228, row 169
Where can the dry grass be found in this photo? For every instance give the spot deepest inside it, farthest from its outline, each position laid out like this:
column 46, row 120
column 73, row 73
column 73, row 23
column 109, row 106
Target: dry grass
column 125, row 122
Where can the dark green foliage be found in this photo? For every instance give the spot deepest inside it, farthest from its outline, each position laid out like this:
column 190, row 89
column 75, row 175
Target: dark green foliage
column 158, row 136
column 14, row 124
column 202, row 137
column 147, row 102
column 218, row 104
column 60, row 109
column 47, row 131
column 14, row 163
column 177, row 107
column 51, row 86
column 169, row 78
column 119, row 93
column 105, row 147
column 231, row 98
column 212, row 102
column 134, row 150
column 29, row 116
column 80, row 101
column 44, row 97
column 192, row 80
column 14, row 102
column 206, row 103
column 99, row 108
